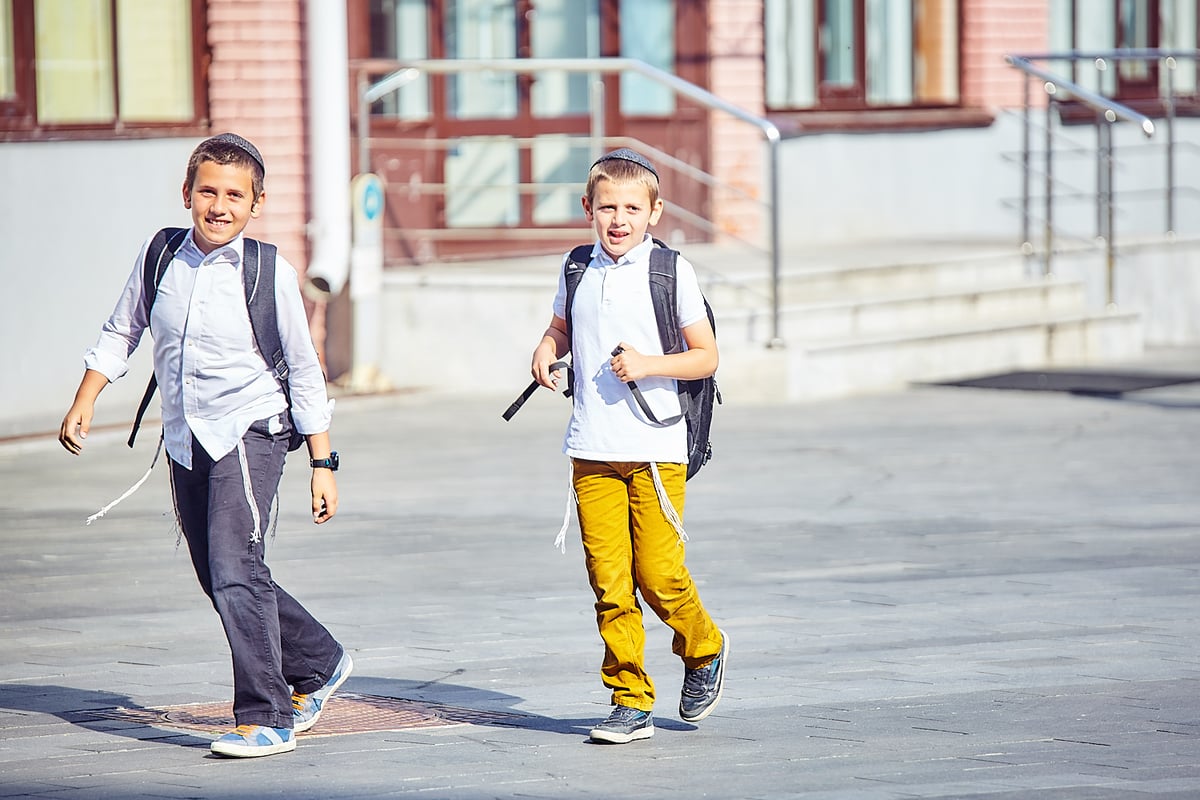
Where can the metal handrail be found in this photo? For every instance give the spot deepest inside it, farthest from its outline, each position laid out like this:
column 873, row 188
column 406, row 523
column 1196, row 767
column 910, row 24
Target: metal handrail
column 399, row 73
column 1108, row 112
column 1111, row 109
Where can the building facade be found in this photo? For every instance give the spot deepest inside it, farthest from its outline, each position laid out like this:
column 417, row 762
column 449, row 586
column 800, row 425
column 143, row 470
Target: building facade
column 880, row 103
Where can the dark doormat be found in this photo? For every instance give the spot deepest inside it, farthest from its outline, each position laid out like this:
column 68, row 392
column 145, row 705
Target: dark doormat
column 1106, row 383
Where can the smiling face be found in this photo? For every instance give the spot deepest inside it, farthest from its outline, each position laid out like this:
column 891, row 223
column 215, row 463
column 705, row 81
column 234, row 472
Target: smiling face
column 620, row 213
column 221, row 199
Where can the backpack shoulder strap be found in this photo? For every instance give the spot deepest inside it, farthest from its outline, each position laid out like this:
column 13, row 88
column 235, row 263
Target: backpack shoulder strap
column 577, row 264
column 159, row 252
column 258, row 280
column 162, row 248
column 663, row 296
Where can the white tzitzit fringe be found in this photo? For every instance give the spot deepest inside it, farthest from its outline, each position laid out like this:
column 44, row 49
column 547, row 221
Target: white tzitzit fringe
column 560, row 541
column 130, row 490
column 664, row 502
column 255, row 535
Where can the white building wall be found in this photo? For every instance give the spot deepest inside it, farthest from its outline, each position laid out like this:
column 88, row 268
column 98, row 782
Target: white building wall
column 72, row 218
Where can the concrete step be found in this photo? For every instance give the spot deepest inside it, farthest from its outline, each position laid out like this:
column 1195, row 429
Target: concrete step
column 890, row 314
column 907, row 274
column 864, row 326
column 865, row 364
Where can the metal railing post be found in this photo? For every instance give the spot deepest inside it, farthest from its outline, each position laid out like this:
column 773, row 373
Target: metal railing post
column 596, row 130
column 1100, row 176
column 773, row 232
column 1048, row 233
column 364, row 125
column 1026, row 176
column 1170, row 64
column 1104, row 156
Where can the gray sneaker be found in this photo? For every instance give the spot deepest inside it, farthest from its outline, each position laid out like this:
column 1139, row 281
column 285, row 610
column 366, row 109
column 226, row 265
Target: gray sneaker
column 623, row 725
column 702, row 686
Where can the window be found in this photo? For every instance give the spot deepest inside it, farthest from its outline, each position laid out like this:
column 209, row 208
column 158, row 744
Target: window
column 99, row 65
column 1103, row 25
column 647, row 34
column 8, row 78
column 399, row 29
column 861, row 54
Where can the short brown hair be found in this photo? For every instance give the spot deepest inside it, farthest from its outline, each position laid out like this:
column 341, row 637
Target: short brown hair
column 619, row 170
column 224, row 150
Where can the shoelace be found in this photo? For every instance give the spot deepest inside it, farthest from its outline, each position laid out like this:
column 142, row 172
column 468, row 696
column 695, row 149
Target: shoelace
column 623, row 714
column 244, row 730
column 694, row 680
column 299, row 701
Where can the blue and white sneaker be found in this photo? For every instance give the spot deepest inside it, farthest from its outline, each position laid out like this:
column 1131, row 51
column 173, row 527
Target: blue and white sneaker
column 306, row 708
column 702, row 687
column 251, row 741
column 624, row 725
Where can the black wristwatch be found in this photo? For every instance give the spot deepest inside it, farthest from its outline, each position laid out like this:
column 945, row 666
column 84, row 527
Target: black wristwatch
column 330, row 463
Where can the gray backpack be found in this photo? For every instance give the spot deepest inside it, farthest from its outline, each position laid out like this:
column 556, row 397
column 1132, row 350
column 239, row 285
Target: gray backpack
column 695, row 396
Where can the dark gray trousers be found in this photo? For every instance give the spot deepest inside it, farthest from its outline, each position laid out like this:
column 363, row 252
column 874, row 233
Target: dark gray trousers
column 275, row 643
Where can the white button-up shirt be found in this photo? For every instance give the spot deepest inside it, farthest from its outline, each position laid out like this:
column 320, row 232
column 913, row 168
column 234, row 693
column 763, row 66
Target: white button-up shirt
column 213, row 381
column 613, row 305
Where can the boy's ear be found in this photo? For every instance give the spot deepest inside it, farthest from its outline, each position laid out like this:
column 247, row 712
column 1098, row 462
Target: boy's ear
column 656, row 212
column 587, row 207
column 256, row 206
column 187, row 195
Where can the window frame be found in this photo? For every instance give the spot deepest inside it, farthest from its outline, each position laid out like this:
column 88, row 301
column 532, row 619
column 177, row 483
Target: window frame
column 1143, row 95
column 843, row 102
column 841, row 96
column 18, row 115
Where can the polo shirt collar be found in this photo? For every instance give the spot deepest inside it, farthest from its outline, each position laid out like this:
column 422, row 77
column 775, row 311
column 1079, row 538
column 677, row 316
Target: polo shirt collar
column 636, row 254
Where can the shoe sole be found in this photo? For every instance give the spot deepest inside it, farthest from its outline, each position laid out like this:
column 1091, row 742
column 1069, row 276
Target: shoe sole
column 252, row 751
column 612, row 737
column 301, row 727
column 720, row 684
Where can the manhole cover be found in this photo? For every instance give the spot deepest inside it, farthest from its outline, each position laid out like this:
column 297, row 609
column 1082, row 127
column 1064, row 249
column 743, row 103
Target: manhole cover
column 346, row 713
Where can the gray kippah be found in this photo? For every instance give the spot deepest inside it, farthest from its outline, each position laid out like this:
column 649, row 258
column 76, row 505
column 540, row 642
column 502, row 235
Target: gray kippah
column 625, row 154
column 243, row 145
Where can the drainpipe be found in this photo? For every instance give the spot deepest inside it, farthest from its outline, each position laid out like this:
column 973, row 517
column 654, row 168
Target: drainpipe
column 328, row 67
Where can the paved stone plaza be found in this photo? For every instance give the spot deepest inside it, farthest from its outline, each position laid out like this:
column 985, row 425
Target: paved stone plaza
column 939, row 593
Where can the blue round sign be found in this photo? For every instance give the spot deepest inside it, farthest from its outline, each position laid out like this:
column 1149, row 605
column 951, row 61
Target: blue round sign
column 372, row 200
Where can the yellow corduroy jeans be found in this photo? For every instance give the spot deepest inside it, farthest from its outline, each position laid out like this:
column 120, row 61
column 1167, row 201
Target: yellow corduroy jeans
column 629, row 547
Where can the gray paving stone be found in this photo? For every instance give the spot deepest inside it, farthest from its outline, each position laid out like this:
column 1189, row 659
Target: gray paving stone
column 940, row 593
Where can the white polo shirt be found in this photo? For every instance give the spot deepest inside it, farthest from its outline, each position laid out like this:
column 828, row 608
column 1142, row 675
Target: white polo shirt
column 612, row 305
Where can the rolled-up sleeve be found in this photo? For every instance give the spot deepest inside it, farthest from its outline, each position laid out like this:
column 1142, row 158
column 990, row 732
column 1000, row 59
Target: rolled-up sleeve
column 122, row 331
column 312, row 409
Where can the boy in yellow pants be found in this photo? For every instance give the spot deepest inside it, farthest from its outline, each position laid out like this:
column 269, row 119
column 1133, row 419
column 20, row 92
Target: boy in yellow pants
column 629, row 474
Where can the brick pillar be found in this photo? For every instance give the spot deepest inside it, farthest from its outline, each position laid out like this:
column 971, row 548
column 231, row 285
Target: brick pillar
column 992, row 29
column 736, row 73
column 256, row 89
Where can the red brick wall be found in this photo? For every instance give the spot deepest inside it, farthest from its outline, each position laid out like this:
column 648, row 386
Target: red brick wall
column 736, row 76
column 991, row 30
column 256, row 89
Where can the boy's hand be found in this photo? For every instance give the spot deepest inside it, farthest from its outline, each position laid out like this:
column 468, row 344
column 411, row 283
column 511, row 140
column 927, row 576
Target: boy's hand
column 553, row 344
column 324, row 495
column 628, row 364
column 75, row 426
column 543, row 358
column 78, row 421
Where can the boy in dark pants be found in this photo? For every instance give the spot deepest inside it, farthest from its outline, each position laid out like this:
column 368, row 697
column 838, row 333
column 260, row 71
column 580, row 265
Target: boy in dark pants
column 226, row 426
column 628, row 474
